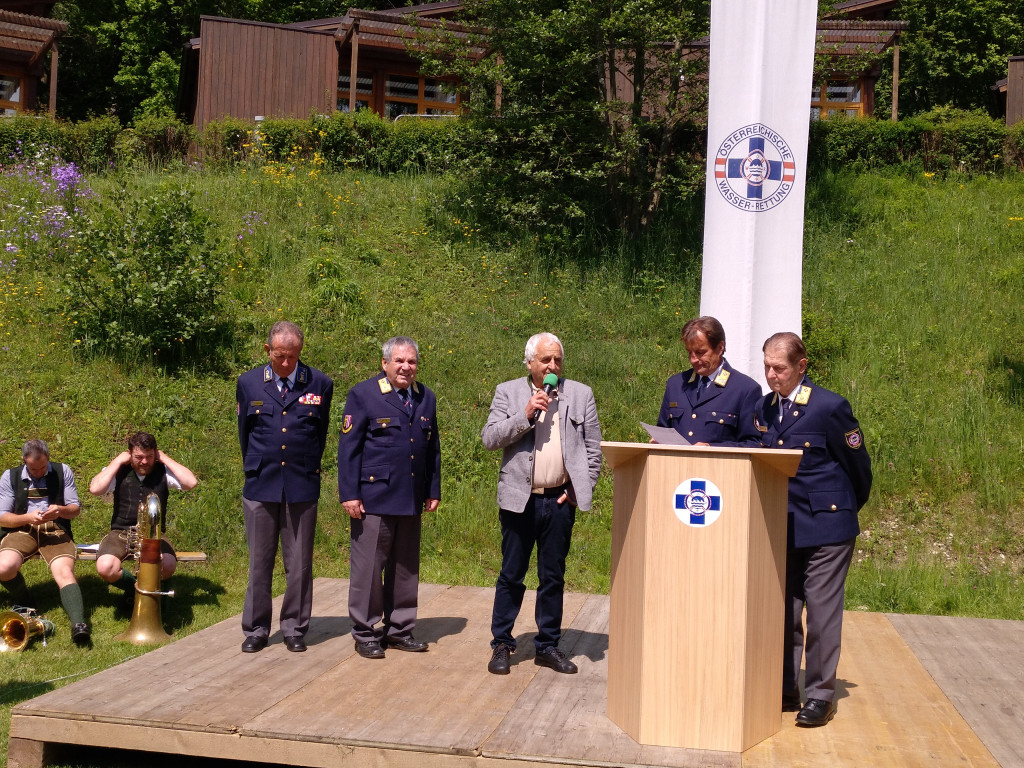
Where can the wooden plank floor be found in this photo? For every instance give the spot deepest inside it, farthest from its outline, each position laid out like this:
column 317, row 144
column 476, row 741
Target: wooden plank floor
column 904, row 682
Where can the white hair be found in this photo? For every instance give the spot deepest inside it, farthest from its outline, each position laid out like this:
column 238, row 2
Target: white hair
column 537, row 338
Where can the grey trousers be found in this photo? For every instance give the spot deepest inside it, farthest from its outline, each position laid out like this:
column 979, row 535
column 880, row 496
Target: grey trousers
column 294, row 524
column 815, row 580
column 384, row 576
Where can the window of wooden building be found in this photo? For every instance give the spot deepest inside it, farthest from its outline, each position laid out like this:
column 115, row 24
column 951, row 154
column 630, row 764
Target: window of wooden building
column 10, row 94
column 834, row 95
column 392, row 94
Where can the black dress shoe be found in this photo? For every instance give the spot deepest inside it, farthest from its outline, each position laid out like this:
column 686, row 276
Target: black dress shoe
column 370, row 650
column 791, row 702
column 499, row 663
column 556, row 660
column 295, row 644
column 80, row 634
column 409, row 643
column 816, row 712
column 254, row 644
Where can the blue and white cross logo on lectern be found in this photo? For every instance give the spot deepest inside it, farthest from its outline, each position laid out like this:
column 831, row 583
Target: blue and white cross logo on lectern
column 697, row 502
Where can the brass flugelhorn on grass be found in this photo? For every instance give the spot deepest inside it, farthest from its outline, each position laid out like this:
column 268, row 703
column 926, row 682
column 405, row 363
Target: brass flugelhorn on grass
column 19, row 626
column 146, row 627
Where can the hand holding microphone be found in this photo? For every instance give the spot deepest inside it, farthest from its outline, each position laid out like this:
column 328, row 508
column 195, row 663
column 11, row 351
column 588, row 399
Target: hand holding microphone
column 542, row 397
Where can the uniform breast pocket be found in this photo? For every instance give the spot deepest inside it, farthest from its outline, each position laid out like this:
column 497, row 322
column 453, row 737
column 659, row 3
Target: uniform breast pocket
column 381, row 431
column 813, row 445
column 260, row 416
column 721, row 423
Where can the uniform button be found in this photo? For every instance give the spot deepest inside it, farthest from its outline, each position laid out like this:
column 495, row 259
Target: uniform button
column 283, row 447
column 282, row 463
column 796, row 413
column 714, row 413
column 721, row 421
column 780, row 442
column 284, row 413
column 257, row 410
column 371, row 478
column 833, row 507
column 284, row 429
column 693, row 415
column 531, row 458
column 807, row 445
column 412, row 439
column 689, row 434
column 412, row 474
column 412, row 456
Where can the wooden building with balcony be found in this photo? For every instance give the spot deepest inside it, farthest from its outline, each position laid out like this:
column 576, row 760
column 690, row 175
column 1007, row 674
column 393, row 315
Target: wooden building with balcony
column 27, row 35
column 367, row 60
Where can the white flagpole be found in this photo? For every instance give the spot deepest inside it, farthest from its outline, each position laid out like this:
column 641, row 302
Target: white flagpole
column 762, row 63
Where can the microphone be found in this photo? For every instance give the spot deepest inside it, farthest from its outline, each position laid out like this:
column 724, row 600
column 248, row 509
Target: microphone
column 550, row 384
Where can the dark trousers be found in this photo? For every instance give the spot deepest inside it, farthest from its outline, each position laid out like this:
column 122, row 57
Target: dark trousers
column 294, row 524
column 384, row 576
column 547, row 524
column 815, row 580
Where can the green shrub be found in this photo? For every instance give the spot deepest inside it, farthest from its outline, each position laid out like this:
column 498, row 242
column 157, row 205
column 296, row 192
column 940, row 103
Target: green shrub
column 156, row 139
column 1015, row 146
column 965, row 141
column 145, row 280
column 228, row 140
column 19, row 132
column 90, row 143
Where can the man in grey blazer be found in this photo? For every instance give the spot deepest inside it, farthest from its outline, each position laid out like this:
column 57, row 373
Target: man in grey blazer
column 550, row 440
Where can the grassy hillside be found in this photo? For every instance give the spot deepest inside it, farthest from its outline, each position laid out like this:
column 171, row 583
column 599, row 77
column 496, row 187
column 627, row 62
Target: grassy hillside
column 911, row 292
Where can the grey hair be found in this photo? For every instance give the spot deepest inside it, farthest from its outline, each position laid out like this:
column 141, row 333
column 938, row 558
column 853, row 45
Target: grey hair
column 284, row 328
column 388, row 347
column 537, row 338
column 34, row 448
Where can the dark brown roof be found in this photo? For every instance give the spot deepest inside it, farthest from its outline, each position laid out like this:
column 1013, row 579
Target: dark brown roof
column 26, row 38
column 845, row 38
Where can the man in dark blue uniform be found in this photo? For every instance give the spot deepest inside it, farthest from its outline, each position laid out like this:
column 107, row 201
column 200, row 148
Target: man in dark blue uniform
column 283, row 412
column 712, row 403
column 832, row 483
column 389, row 472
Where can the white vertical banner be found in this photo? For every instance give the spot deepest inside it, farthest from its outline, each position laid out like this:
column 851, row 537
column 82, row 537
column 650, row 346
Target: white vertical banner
column 762, row 64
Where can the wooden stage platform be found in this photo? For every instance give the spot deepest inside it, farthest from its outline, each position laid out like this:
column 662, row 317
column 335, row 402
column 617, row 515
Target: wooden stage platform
column 914, row 691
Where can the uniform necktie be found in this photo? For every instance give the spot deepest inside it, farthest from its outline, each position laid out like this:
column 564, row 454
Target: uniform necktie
column 406, row 402
column 284, row 388
column 704, row 381
column 784, row 410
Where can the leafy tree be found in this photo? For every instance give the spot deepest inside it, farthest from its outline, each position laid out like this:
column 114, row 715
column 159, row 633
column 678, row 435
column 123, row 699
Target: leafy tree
column 570, row 145
column 955, row 50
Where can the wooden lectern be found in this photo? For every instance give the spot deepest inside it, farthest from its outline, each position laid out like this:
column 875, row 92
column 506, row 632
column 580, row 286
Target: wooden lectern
column 696, row 608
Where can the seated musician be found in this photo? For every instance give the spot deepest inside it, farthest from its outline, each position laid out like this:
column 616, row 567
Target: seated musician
column 131, row 477
column 38, row 501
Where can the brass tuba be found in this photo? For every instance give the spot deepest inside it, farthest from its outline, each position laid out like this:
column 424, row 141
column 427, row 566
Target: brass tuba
column 146, row 626
column 19, row 626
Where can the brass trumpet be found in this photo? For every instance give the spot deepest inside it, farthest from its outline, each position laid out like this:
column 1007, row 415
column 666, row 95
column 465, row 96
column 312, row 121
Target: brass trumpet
column 19, row 626
column 146, row 626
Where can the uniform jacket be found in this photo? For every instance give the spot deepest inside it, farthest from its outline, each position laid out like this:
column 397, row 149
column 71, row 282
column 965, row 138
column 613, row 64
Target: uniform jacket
column 833, row 480
column 387, row 458
column 723, row 414
column 283, row 439
column 508, row 428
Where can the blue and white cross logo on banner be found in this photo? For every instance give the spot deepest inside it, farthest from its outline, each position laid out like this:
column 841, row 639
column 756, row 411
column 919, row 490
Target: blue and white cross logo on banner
column 697, row 502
